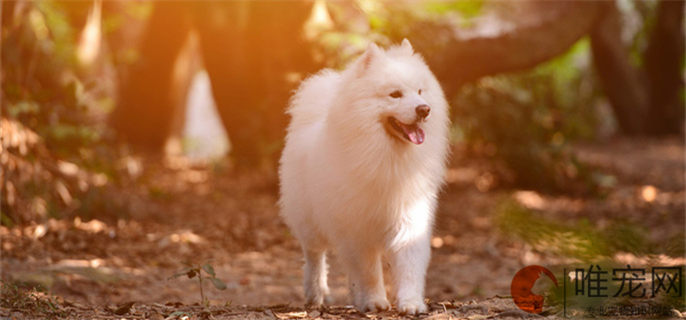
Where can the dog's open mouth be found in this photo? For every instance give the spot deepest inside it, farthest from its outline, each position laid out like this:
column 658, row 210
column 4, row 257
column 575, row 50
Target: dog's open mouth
column 410, row 132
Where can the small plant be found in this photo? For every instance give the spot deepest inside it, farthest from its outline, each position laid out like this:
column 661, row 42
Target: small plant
column 196, row 271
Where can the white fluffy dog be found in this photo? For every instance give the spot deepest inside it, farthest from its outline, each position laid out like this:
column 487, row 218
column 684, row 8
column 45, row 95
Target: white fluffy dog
column 363, row 163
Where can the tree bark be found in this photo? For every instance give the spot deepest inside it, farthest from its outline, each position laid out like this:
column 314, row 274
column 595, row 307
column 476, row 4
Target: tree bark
column 248, row 54
column 145, row 106
column 248, row 49
column 663, row 65
column 515, row 36
column 621, row 82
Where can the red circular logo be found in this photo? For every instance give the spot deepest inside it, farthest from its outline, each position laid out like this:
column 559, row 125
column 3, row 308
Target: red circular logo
column 521, row 286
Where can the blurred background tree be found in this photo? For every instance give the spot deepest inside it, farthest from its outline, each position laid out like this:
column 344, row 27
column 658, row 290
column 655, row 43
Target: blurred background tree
column 46, row 115
column 248, row 49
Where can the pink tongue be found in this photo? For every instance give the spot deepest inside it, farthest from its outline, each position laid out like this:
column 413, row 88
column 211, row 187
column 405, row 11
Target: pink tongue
column 414, row 133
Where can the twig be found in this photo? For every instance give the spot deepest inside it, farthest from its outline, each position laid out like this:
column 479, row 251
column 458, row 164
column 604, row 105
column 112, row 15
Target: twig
column 202, row 294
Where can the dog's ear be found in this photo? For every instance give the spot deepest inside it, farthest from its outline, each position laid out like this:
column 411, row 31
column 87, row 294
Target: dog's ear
column 406, row 46
column 373, row 52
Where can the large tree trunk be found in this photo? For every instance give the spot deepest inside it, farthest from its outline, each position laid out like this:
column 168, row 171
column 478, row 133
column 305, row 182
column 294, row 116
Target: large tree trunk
column 248, row 49
column 145, row 106
column 645, row 100
column 248, row 55
column 621, row 82
column 663, row 65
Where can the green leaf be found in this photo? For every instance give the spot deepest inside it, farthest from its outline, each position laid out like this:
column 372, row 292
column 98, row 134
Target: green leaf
column 218, row 283
column 209, row 269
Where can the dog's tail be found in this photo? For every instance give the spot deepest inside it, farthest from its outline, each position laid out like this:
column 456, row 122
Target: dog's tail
column 311, row 101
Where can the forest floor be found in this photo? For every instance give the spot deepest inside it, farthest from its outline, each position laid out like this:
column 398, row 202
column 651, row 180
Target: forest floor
column 179, row 213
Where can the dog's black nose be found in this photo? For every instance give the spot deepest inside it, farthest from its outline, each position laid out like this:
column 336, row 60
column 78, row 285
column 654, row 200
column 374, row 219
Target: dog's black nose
column 422, row 111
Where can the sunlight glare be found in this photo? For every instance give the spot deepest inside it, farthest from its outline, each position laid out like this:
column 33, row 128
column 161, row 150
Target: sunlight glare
column 89, row 43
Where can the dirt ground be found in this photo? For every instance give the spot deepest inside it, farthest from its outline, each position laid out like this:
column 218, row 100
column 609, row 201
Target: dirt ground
column 178, row 213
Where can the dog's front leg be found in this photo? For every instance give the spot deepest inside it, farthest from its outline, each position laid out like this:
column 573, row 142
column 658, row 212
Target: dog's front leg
column 316, row 287
column 408, row 270
column 365, row 275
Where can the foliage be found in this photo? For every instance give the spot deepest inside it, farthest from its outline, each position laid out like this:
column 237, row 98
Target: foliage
column 579, row 239
column 57, row 159
column 394, row 21
column 525, row 121
column 40, row 86
column 466, row 8
column 360, row 22
column 196, row 271
column 639, row 18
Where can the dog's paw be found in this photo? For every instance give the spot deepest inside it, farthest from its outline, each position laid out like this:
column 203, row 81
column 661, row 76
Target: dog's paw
column 315, row 303
column 316, row 296
column 412, row 307
column 316, row 300
column 374, row 304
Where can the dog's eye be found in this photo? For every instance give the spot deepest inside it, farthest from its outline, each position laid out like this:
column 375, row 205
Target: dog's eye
column 396, row 94
column 419, row 91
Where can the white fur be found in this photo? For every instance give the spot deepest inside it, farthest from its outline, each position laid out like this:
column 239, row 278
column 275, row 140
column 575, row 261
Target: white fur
column 348, row 185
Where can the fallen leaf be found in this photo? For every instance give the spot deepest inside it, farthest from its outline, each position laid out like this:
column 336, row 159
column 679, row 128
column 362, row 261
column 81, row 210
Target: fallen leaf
column 291, row 315
column 123, row 309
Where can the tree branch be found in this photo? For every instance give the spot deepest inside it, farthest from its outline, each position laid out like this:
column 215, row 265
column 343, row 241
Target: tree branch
column 510, row 37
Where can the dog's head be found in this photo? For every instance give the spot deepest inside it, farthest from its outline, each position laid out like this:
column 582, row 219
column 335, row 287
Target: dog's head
column 394, row 91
